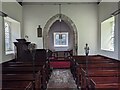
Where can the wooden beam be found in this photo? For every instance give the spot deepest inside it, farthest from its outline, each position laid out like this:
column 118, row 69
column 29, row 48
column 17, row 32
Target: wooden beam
column 3, row 14
column 20, row 2
column 99, row 1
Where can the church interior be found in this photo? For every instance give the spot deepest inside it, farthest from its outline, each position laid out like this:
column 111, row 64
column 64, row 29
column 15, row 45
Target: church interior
column 60, row 45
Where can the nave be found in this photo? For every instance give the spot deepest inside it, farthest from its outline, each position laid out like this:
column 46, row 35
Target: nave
column 81, row 72
column 61, row 79
column 102, row 73
column 60, row 26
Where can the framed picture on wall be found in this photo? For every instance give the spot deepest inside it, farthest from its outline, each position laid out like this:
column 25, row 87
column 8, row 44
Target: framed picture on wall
column 39, row 31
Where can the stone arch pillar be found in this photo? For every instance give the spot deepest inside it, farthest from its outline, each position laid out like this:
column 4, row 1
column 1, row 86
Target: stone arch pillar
column 70, row 24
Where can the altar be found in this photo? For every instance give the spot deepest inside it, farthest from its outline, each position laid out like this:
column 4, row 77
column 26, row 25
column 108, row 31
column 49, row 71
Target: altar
column 62, row 54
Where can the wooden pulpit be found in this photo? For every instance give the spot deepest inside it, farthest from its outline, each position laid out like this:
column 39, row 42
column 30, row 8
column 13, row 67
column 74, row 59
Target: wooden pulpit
column 22, row 50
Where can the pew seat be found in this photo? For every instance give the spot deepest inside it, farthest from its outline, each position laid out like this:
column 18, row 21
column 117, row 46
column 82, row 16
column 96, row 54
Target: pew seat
column 16, row 85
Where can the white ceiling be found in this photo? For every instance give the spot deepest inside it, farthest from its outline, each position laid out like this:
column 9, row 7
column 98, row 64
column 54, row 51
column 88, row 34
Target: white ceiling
column 56, row 3
column 60, row 1
column 69, row 1
column 75, row 1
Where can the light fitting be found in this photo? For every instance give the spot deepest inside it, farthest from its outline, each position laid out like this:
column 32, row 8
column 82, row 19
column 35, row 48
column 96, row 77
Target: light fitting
column 60, row 13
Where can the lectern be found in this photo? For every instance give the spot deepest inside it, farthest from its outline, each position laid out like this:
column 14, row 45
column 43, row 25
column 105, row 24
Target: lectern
column 22, row 50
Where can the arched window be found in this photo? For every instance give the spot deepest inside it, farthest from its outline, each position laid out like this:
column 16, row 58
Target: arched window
column 12, row 32
column 8, row 44
column 107, row 34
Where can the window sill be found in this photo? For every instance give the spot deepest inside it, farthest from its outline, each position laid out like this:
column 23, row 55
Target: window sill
column 109, row 50
column 60, row 45
column 9, row 52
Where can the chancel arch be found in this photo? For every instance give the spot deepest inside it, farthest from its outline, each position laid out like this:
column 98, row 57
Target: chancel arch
column 66, row 20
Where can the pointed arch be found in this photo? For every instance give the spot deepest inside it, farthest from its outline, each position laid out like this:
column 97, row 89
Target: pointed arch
column 66, row 20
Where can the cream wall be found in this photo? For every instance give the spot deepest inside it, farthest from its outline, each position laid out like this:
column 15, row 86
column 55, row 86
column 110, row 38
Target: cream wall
column 105, row 10
column 0, row 33
column 0, row 48
column 83, row 15
column 13, row 10
column 119, row 33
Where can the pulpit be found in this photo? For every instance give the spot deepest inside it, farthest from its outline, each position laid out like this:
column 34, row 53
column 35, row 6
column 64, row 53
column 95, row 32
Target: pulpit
column 22, row 50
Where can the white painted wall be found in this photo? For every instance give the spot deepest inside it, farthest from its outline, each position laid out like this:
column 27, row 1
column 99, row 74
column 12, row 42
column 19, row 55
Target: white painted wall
column 105, row 10
column 13, row 10
column 15, row 32
column 119, row 33
column 0, row 44
column 35, row 15
column 0, row 33
column 83, row 15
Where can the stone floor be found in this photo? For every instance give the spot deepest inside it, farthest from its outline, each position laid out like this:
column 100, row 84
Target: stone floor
column 61, row 79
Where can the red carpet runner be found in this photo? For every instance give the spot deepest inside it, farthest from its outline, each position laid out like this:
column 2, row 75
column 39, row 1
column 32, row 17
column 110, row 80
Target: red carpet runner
column 60, row 63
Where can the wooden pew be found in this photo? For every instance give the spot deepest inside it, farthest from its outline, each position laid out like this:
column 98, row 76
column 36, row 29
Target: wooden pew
column 91, row 57
column 22, row 68
column 82, row 59
column 22, row 73
column 18, row 70
column 23, row 77
column 86, row 76
column 100, row 66
column 104, row 83
column 95, row 63
column 22, row 63
column 19, row 77
column 91, row 60
column 16, row 85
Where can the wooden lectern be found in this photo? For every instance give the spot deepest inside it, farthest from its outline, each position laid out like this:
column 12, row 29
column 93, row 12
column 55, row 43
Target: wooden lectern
column 23, row 53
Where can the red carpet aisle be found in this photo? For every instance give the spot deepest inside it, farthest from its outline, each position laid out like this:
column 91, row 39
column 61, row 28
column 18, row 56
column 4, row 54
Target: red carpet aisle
column 61, row 79
column 60, row 64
